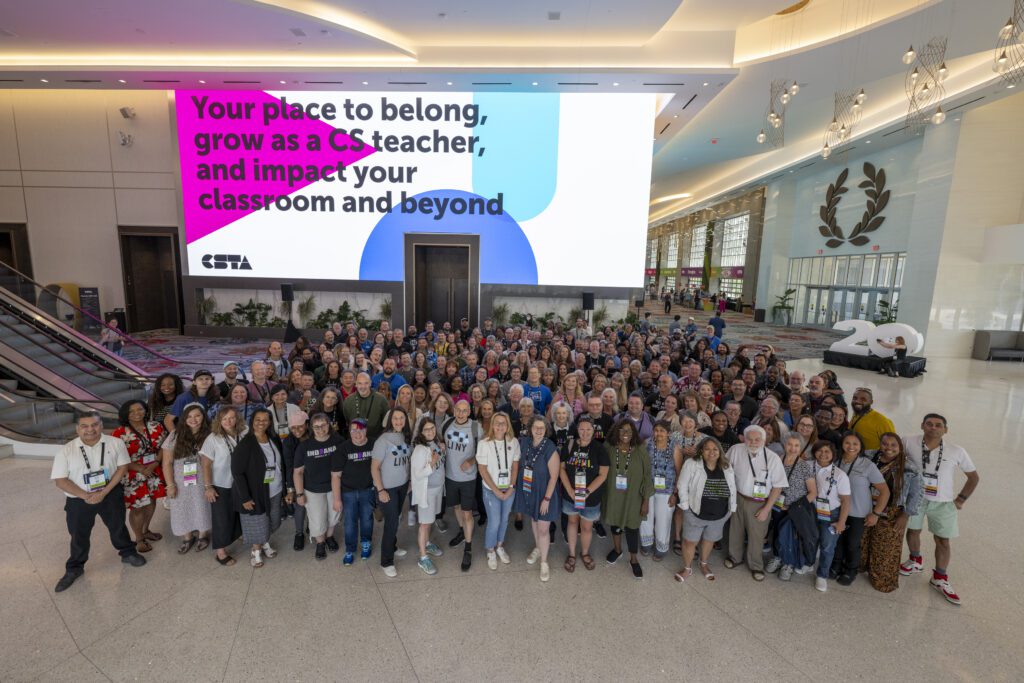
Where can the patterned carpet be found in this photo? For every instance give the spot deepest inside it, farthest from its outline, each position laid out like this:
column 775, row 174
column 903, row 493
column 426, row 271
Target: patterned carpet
column 191, row 353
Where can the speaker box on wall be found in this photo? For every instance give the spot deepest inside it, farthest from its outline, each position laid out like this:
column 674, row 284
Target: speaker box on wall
column 639, row 303
column 287, row 291
column 588, row 301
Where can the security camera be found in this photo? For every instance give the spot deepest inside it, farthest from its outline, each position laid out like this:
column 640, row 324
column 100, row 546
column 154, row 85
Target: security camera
column 126, row 139
column 127, row 112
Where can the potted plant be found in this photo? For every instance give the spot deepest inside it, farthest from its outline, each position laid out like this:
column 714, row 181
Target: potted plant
column 783, row 308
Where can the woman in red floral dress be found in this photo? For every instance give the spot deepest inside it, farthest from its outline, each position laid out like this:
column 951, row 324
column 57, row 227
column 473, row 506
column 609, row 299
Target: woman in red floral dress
column 144, row 482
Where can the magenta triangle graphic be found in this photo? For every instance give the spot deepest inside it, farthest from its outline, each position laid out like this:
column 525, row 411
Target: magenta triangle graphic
column 203, row 139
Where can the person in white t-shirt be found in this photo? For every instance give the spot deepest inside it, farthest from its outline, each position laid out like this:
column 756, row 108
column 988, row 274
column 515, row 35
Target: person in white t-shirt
column 831, row 504
column 89, row 471
column 938, row 460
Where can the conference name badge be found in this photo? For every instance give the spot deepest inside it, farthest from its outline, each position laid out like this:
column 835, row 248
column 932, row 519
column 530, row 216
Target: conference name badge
column 931, row 484
column 148, row 458
column 824, row 510
column 271, row 475
column 620, row 482
column 580, row 498
column 660, row 484
column 760, row 490
column 503, row 480
column 780, row 501
column 190, row 472
column 527, row 479
column 95, row 480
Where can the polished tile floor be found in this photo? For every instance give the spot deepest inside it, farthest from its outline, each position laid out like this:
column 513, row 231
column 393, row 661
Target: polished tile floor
column 186, row 618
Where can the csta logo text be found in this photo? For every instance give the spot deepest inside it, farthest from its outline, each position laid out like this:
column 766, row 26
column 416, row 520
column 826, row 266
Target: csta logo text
column 225, row 261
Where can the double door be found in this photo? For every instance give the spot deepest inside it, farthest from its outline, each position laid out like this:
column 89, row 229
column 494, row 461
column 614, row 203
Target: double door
column 442, row 284
column 826, row 306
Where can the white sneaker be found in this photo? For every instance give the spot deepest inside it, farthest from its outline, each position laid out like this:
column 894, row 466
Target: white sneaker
column 390, row 572
column 268, row 551
column 545, row 571
column 502, row 555
column 821, row 584
column 412, row 518
column 786, row 573
column 492, row 559
column 401, row 552
column 806, row 569
column 773, row 565
column 256, row 560
column 533, row 556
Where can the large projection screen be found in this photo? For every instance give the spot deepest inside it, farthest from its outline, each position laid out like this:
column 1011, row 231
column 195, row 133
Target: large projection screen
column 323, row 185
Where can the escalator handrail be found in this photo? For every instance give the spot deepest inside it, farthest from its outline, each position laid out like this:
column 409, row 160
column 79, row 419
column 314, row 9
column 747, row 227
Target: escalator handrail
column 51, row 399
column 91, row 373
column 124, row 335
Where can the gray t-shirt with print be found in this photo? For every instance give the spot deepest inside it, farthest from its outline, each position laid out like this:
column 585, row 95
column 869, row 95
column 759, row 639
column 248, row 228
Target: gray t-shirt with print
column 460, row 442
column 392, row 452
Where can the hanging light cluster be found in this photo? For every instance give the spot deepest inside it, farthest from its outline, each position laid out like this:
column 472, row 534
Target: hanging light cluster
column 924, row 85
column 1008, row 56
column 782, row 92
column 849, row 107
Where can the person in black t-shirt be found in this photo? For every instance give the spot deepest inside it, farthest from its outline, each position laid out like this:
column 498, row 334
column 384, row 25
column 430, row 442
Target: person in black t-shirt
column 720, row 430
column 312, row 472
column 583, row 472
column 601, row 422
column 352, row 486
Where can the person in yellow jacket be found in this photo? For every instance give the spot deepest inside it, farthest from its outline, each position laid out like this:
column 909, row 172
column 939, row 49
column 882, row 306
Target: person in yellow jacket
column 867, row 422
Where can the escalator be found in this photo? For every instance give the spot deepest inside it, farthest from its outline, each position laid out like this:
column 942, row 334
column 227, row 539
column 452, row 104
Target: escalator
column 49, row 370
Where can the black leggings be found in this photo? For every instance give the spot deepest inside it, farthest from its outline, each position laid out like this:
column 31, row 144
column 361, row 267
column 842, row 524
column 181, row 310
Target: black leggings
column 847, row 557
column 632, row 538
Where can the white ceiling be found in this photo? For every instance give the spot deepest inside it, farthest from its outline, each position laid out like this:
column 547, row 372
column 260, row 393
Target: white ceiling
column 698, row 51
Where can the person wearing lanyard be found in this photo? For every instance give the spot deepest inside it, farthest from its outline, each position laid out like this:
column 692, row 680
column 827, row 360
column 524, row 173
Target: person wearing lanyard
column 788, row 554
column 707, row 497
column 832, row 506
column 627, row 491
column 260, row 388
column 536, row 493
column 666, row 457
column 760, row 479
column 368, row 405
column 313, row 462
column 390, row 472
column 865, row 509
column 583, row 473
column 497, row 459
column 190, row 512
column 89, row 470
column 281, row 410
column 427, row 474
column 938, row 461
column 144, row 482
column 883, row 543
column 256, row 466
column 227, row 428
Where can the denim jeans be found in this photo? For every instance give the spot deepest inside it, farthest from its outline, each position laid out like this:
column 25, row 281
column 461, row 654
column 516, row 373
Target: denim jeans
column 357, row 505
column 788, row 545
column 497, row 518
column 827, row 538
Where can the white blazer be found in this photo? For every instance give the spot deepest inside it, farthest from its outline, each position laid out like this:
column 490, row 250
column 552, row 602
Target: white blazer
column 419, row 471
column 691, row 485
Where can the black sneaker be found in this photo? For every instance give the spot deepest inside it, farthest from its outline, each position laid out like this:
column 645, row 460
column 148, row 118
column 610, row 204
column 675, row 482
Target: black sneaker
column 599, row 530
column 467, row 560
column 518, row 524
column 321, row 551
column 332, row 545
column 833, row 573
column 846, row 579
column 459, row 538
column 613, row 556
column 134, row 560
column 300, row 542
column 66, row 581
column 638, row 573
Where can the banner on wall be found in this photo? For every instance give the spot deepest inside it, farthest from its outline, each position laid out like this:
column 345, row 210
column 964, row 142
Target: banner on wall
column 691, row 271
column 538, row 176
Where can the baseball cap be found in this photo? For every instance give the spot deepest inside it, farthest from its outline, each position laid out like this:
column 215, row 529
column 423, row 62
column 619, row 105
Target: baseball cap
column 200, row 373
column 358, row 423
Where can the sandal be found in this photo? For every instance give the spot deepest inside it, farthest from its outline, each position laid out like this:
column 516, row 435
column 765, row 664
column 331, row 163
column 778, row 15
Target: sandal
column 186, row 545
column 225, row 561
column 757, row 575
column 683, row 574
column 570, row 564
column 677, row 547
column 729, row 563
column 588, row 562
column 143, row 547
column 152, row 536
column 204, row 543
column 705, row 569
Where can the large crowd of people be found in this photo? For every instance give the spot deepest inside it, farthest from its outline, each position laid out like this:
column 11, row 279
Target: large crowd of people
column 668, row 438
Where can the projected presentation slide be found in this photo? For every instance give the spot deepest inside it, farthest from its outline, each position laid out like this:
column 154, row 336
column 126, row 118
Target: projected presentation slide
column 324, row 185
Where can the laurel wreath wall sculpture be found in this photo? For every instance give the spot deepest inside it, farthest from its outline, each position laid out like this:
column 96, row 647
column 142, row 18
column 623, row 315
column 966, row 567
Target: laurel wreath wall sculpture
column 877, row 199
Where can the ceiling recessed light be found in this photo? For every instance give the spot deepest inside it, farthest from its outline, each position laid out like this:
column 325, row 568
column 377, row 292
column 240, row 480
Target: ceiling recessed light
column 535, row 83
column 449, row 83
column 615, row 84
column 366, row 83
column 281, row 82
column 121, row 80
column 867, row 142
column 705, row 84
column 1010, row 86
column 202, row 81
column 675, row 116
column 44, row 80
